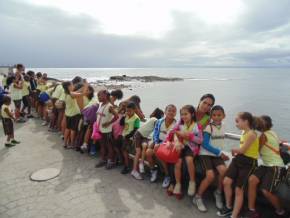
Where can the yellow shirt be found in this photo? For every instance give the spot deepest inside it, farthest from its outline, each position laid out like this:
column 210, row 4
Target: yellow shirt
column 3, row 113
column 57, row 92
column 25, row 88
column 42, row 87
column 253, row 150
column 71, row 106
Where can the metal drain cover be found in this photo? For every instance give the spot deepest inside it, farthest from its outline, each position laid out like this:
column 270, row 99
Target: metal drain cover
column 45, row 174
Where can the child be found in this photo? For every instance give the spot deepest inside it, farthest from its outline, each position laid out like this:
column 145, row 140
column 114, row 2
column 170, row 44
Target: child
column 140, row 141
column 212, row 158
column 162, row 128
column 131, row 123
column 7, row 121
column 268, row 175
column 16, row 94
column 116, row 95
column 189, row 134
column 242, row 165
column 72, row 114
column 106, row 116
column 25, row 96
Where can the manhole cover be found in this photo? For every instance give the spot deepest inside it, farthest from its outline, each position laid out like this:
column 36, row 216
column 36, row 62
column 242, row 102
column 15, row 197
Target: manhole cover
column 45, row 174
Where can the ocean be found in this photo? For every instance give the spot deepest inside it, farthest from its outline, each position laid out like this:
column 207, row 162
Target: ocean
column 257, row 90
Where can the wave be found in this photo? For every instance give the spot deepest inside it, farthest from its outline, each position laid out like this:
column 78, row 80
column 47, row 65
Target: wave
column 208, row 79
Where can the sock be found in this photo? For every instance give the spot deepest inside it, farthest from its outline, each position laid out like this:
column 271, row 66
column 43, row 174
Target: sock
column 252, row 210
column 280, row 212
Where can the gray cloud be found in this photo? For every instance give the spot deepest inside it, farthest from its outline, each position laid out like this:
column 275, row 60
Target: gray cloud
column 48, row 37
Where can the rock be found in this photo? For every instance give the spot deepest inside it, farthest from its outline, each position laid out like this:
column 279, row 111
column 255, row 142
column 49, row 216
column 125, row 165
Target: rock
column 145, row 78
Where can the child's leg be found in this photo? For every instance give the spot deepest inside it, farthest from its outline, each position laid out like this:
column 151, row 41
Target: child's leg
column 63, row 125
column 209, row 178
column 72, row 137
column 88, row 135
column 66, row 137
column 143, row 152
column 149, row 157
column 239, row 200
column 227, row 183
column 274, row 200
column 177, row 171
column 190, row 167
column 110, row 147
column 136, row 158
column 252, row 191
column 165, row 168
column 222, row 171
column 126, row 158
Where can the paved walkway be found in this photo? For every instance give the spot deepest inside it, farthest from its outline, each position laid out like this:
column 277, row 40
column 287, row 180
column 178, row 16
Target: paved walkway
column 80, row 190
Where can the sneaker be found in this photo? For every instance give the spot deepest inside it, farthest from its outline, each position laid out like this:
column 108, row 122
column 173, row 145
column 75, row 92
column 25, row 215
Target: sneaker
column 84, row 147
column 199, row 203
column 224, row 212
column 15, row 142
column 30, row 116
column 136, row 175
column 251, row 214
column 110, row 165
column 191, row 188
column 177, row 191
column 154, row 174
column 52, row 130
column 93, row 153
column 100, row 164
column 125, row 170
column 166, row 182
column 8, row 145
column 218, row 199
column 44, row 123
column 141, row 167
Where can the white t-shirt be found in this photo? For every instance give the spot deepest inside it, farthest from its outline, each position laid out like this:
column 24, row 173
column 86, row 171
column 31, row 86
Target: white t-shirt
column 15, row 93
column 148, row 127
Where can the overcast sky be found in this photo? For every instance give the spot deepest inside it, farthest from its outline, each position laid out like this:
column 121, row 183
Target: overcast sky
column 145, row 33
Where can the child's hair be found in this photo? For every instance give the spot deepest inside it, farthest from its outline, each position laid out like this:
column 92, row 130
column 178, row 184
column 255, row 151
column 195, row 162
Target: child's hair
column 122, row 107
column 6, row 100
column 26, row 78
column 217, row 108
column 131, row 105
column 169, row 106
column 91, row 92
column 118, row 94
column 30, row 73
column 105, row 92
column 191, row 110
column 65, row 86
column 254, row 122
column 39, row 75
column 157, row 113
column 136, row 99
column 44, row 76
column 267, row 121
column 76, row 80
column 19, row 66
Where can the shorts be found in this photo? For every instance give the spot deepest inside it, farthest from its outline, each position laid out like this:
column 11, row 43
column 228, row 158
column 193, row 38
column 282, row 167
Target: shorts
column 210, row 162
column 26, row 101
column 8, row 126
column 270, row 177
column 72, row 123
column 118, row 142
column 17, row 103
column 107, row 138
column 127, row 144
column 240, row 170
column 138, row 140
column 186, row 152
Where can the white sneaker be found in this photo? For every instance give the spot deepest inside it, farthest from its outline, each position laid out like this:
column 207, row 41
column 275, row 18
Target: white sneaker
column 218, row 200
column 191, row 188
column 141, row 167
column 84, row 147
column 154, row 174
column 44, row 123
column 199, row 203
column 166, row 182
column 136, row 175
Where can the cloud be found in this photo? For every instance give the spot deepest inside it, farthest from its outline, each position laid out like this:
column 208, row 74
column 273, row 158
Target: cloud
column 42, row 36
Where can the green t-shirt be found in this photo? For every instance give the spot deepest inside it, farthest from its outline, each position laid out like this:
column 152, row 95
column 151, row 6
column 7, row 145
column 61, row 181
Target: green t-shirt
column 25, row 88
column 130, row 124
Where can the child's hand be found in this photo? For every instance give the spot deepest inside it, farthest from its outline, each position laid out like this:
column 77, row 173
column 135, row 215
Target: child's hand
column 235, row 151
column 225, row 157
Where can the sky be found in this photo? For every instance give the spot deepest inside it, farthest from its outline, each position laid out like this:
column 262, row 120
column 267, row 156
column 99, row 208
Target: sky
column 145, row 33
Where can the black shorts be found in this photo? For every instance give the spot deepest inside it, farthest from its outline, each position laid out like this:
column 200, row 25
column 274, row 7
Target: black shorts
column 240, row 170
column 118, row 142
column 138, row 140
column 210, row 162
column 270, row 177
column 127, row 144
column 17, row 103
column 8, row 126
column 72, row 123
column 186, row 152
column 107, row 138
column 26, row 101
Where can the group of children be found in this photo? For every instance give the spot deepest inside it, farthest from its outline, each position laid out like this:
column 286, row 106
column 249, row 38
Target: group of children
column 83, row 121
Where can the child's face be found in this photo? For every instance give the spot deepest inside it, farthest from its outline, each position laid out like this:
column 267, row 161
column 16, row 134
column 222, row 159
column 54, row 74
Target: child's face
column 101, row 96
column 130, row 112
column 240, row 123
column 205, row 105
column 185, row 116
column 170, row 113
column 217, row 116
column 71, row 87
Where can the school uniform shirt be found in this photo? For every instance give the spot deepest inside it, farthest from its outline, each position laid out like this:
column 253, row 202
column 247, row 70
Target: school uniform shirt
column 253, row 150
column 15, row 93
column 3, row 113
column 131, row 123
column 25, row 89
column 57, row 92
column 71, row 106
column 213, row 140
column 104, row 116
column 161, row 130
column 42, row 87
column 146, row 129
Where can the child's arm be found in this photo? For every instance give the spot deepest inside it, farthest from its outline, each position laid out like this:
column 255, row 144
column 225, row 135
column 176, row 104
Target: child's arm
column 7, row 111
column 252, row 137
column 116, row 116
column 262, row 141
column 209, row 147
column 191, row 136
